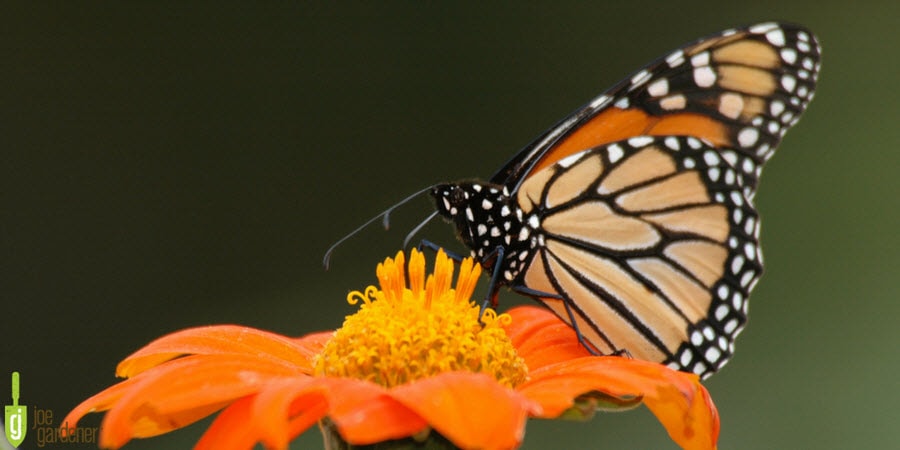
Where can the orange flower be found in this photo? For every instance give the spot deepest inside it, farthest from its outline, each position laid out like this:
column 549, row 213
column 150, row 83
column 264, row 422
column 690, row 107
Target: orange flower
column 418, row 361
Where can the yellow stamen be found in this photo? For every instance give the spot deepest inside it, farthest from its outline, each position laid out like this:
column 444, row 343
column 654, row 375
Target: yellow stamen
column 401, row 333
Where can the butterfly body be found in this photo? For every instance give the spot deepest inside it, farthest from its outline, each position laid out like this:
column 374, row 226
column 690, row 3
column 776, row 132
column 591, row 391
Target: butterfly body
column 487, row 219
column 633, row 218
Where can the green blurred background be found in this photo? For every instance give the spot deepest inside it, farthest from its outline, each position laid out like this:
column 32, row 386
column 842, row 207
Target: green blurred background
column 167, row 166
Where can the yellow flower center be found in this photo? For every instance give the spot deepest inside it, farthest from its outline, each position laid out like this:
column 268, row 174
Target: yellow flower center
column 403, row 333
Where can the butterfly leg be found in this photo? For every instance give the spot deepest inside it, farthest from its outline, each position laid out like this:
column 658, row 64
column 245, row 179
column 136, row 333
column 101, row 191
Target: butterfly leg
column 538, row 295
column 493, row 259
column 574, row 324
column 527, row 291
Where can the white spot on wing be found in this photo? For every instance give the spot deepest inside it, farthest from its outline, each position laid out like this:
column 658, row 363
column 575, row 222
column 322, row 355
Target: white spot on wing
column 747, row 137
column 776, row 37
column 640, row 78
column 704, row 76
column 640, row 141
column 712, row 354
column 700, row 59
column 750, row 251
column 615, row 152
column 776, row 108
column 659, row 87
column 788, row 82
column 685, row 358
column 789, row 55
column 672, row 143
column 571, row 159
column 748, row 165
column 731, row 326
column 763, row 27
column 523, row 233
column 675, row 59
column 731, row 157
column 722, row 292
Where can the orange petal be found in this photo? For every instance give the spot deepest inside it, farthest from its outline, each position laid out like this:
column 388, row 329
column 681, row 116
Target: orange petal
column 176, row 394
column 221, row 339
column 230, row 430
column 541, row 338
column 313, row 343
column 101, row 401
column 282, row 406
column 366, row 413
column 470, row 409
column 677, row 399
column 281, row 411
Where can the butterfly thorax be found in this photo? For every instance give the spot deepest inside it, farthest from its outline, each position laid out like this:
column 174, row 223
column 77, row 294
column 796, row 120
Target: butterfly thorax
column 487, row 219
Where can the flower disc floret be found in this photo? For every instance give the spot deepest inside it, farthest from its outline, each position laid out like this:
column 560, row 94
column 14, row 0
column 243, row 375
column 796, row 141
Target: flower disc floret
column 409, row 331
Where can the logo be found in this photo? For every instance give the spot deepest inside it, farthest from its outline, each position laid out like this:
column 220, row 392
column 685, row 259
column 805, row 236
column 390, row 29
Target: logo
column 45, row 431
column 16, row 416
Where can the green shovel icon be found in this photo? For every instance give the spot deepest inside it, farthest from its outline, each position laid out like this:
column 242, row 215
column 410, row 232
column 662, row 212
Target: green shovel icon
column 16, row 416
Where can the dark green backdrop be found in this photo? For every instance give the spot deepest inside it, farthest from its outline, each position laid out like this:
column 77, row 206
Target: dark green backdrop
column 164, row 167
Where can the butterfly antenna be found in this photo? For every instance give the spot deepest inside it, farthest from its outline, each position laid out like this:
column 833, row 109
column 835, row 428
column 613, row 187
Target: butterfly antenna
column 385, row 217
column 418, row 228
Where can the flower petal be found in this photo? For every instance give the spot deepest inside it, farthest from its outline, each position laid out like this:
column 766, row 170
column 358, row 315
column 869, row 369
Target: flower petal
column 677, row 399
column 470, row 409
column 221, row 339
column 230, row 430
column 280, row 412
column 541, row 338
column 176, row 394
column 366, row 413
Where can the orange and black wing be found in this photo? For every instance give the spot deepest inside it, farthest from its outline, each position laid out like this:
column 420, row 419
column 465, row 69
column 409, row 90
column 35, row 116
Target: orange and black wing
column 648, row 245
column 641, row 201
column 740, row 90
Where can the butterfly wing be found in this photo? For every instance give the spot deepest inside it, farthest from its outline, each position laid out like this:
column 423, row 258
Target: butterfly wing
column 740, row 90
column 651, row 245
column 648, row 237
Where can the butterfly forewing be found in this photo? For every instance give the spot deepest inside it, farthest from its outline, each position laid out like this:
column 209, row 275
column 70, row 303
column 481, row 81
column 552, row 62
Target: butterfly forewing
column 740, row 90
column 651, row 242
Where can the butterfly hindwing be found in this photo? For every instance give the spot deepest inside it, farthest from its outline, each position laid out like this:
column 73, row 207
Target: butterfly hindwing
column 652, row 246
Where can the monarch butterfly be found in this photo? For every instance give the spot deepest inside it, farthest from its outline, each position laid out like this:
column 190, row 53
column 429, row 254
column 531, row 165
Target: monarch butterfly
column 632, row 219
